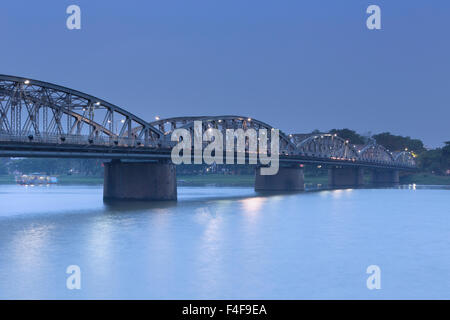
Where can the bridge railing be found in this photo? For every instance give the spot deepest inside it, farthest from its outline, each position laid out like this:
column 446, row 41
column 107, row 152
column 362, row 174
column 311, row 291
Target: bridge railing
column 76, row 140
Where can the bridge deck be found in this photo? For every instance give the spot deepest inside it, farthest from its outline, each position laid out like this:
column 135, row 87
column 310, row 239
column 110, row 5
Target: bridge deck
column 33, row 150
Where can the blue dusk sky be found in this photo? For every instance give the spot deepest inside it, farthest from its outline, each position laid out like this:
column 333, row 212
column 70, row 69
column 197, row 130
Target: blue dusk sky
column 297, row 65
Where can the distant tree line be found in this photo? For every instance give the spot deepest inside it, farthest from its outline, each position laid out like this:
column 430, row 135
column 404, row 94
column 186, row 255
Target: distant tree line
column 436, row 161
column 84, row 167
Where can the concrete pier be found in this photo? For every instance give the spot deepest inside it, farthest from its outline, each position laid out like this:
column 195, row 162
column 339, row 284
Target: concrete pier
column 345, row 177
column 139, row 181
column 287, row 179
column 385, row 177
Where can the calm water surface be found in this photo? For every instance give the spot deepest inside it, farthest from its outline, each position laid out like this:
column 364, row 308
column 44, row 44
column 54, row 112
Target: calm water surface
column 229, row 243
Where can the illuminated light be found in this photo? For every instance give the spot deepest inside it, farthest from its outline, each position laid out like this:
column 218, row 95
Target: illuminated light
column 123, row 120
column 253, row 205
column 97, row 103
column 319, row 166
column 109, row 121
column 249, row 119
column 27, row 82
column 157, row 118
column 301, row 165
column 406, row 149
column 220, row 121
column 346, row 141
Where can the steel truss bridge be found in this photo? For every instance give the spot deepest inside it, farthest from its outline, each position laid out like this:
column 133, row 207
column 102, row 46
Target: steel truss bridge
column 40, row 119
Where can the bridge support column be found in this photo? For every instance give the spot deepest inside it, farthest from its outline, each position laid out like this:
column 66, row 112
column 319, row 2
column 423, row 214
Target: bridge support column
column 287, row 179
column 139, row 181
column 385, row 177
column 346, row 177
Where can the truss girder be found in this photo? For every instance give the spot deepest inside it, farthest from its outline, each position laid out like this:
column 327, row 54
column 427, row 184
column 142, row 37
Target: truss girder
column 41, row 112
column 46, row 112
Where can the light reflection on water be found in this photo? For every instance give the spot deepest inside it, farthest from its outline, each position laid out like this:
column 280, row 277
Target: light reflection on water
column 219, row 242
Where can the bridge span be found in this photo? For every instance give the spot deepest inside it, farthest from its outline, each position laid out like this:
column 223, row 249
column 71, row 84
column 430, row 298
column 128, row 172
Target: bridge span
column 41, row 119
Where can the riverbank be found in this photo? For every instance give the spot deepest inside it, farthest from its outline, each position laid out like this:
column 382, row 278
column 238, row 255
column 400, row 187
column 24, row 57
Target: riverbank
column 7, row 179
column 425, row 179
column 63, row 180
column 237, row 180
column 246, row 180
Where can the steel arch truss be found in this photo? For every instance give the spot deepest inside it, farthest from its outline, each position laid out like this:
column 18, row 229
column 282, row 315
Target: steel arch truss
column 222, row 123
column 405, row 158
column 38, row 112
column 376, row 153
column 35, row 111
column 327, row 146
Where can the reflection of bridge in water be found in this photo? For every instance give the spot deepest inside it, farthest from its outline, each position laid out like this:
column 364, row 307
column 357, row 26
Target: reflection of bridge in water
column 40, row 119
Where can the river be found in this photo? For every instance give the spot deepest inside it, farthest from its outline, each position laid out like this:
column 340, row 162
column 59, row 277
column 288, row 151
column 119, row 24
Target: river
column 225, row 243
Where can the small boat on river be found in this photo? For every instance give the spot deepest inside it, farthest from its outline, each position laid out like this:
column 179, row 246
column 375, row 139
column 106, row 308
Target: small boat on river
column 36, row 178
